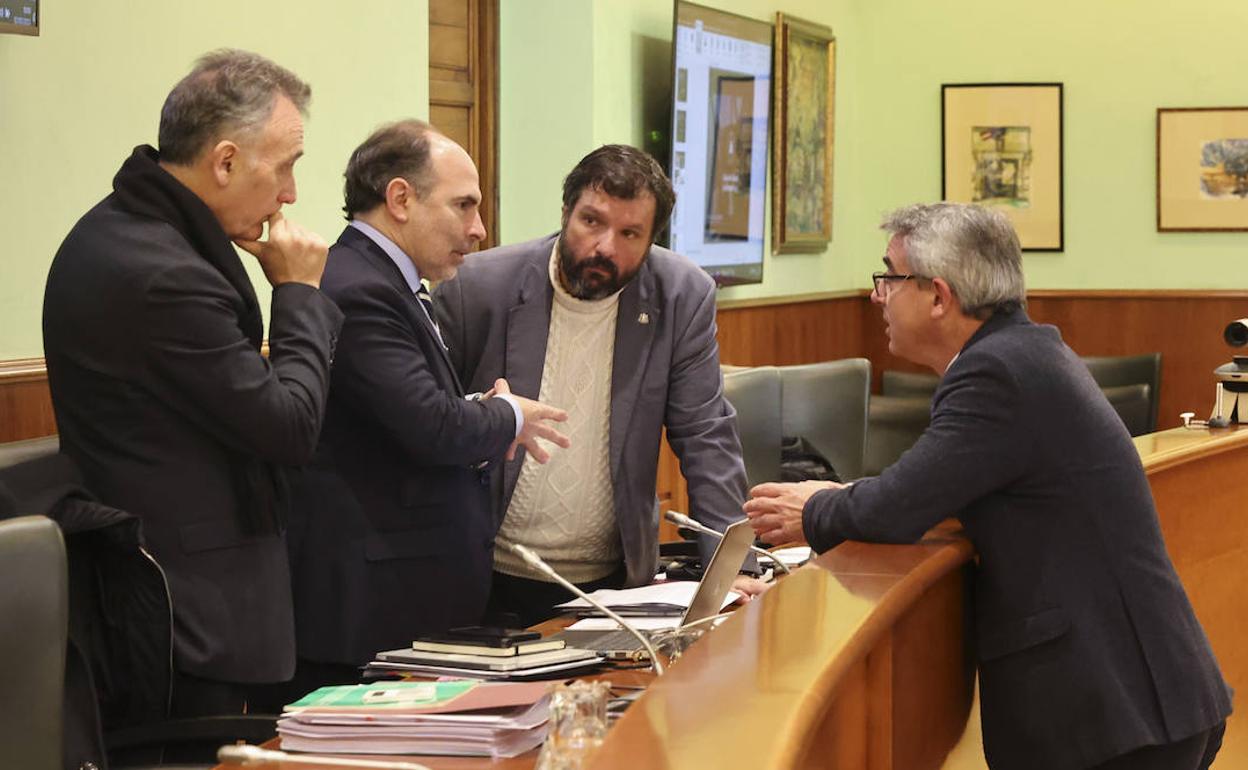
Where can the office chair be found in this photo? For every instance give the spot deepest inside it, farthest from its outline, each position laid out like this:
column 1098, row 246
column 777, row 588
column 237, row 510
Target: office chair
column 115, row 671
column 827, row 404
column 894, row 423
column 755, row 394
column 907, row 384
column 14, row 452
column 34, row 602
column 1113, row 372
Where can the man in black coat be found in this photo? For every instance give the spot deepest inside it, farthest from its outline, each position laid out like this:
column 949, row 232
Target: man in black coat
column 1089, row 653
column 392, row 534
column 152, row 334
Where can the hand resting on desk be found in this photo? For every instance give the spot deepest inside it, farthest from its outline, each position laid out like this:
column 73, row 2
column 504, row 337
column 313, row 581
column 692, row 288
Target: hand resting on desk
column 775, row 509
column 748, row 587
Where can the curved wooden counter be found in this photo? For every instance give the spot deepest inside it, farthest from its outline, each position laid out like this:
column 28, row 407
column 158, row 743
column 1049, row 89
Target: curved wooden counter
column 855, row 661
column 858, row 661
column 1199, row 479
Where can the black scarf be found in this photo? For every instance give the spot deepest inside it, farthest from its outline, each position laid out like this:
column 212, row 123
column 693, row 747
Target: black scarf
column 142, row 187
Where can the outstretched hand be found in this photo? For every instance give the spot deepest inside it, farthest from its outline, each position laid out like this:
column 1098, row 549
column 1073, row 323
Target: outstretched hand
column 535, row 427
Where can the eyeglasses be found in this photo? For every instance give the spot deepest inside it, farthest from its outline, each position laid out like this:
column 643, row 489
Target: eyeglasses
column 880, row 281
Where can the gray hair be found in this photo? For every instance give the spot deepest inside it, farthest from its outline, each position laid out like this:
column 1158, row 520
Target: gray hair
column 227, row 91
column 974, row 249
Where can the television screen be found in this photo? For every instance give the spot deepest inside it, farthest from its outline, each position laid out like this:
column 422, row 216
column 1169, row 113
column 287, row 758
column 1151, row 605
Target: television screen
column 19, row 16
column 721, row 94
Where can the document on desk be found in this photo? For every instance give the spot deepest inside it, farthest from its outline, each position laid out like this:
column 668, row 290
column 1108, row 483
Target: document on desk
column 670, row 598
column 655, row 623
column 449, row 718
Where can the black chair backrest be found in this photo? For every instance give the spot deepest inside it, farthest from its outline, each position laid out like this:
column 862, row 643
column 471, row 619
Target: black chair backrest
column 826, row 403
column 34, row 603
column 1117, row 371
column 894, row 424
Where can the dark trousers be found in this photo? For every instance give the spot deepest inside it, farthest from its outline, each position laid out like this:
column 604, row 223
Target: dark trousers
column 517, row 602
column 1194, row 753
column 191, row 697
column 309, row 675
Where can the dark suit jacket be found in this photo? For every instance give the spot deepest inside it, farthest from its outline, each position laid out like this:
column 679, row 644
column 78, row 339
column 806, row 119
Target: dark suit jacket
column 665, row 373
column 391, row 535
column 1087, row 644
column 152, row 335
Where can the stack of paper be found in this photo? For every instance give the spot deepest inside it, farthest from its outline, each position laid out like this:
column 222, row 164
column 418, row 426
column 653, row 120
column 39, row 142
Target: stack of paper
column 457, row 718
column 671, row 598
column 532, row 665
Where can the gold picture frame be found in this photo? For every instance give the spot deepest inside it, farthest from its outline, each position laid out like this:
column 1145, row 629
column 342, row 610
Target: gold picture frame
column 801, row 168
column 1202, row 169
column 1002, row 148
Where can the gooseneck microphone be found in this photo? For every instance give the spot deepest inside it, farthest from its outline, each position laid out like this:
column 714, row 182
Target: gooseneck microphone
column 681, row 520
column 243, row 754
column 539, row 564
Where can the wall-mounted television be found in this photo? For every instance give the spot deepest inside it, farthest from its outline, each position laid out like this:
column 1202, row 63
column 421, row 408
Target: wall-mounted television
column 19, row 17
column 721, row 97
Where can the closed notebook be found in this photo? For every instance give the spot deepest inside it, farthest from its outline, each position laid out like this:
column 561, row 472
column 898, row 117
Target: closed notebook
column 469, row 648
column 485, row 662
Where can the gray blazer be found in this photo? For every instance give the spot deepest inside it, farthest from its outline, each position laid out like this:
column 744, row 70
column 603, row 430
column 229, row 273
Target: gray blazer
column 495, row 317
column 1086, row 642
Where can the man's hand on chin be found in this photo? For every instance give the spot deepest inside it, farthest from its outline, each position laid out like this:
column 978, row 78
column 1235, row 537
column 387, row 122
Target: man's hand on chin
column 290, row 255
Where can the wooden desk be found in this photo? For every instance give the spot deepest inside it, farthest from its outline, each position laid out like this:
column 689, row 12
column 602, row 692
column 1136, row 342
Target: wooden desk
column 858, row 660
column 1198, row 482
column 821, row 667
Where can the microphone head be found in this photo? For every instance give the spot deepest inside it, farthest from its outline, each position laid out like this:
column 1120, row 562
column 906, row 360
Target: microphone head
column 239, row 755
column 679, row 518
column 530, row 558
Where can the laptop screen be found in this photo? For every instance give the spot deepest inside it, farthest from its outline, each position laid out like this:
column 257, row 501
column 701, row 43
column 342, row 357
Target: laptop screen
column 717, row 579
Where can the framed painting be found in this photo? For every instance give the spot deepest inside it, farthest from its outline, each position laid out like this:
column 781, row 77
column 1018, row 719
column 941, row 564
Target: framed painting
column 805, row 83
column 1002, row 148
column 1202, row 169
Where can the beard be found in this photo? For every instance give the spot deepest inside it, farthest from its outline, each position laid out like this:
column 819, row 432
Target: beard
column 581, row 283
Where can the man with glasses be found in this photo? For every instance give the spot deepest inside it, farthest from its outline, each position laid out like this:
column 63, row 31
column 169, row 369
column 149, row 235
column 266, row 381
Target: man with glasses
column 1089, row 653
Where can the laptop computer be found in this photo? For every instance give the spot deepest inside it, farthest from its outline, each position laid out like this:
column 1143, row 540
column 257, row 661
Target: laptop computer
column 707, row 600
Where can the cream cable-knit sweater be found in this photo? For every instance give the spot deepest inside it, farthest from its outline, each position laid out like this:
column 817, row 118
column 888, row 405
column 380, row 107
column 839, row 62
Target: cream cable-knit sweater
column 564, row 510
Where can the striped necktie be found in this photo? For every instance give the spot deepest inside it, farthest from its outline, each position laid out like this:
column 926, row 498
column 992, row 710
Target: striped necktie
column 426, row 301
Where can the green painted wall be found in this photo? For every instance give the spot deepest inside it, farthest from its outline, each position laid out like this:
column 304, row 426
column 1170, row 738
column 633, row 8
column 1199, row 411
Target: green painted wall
column 1119, row 62
column 619, row 61
column 75, row 100
column 579, row 73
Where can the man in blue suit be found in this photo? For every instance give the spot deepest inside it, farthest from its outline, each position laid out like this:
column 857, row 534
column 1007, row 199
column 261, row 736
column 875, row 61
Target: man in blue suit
column 1089, row 653
column 392, row 532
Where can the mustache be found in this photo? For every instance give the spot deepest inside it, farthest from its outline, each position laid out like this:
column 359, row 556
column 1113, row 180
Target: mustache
column 598, row 262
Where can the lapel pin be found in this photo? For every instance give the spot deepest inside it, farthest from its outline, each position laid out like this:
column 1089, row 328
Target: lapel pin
column 643, row 318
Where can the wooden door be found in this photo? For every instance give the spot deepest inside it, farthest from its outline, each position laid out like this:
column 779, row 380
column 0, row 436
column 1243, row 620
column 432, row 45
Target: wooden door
column 463, row 89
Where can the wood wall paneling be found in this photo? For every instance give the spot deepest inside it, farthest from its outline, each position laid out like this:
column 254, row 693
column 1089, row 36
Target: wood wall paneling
column 1186, row 327
column 463, row 89
column 25, row 403
column 801, row 332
